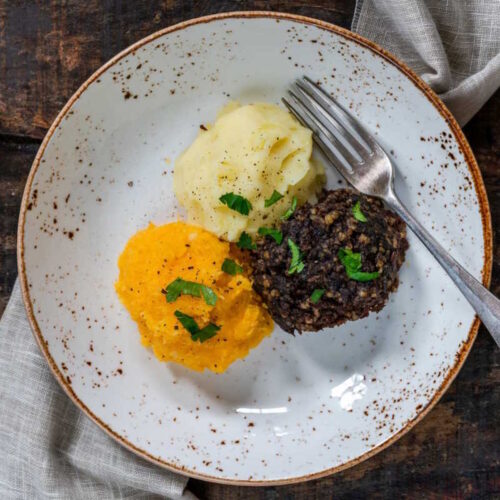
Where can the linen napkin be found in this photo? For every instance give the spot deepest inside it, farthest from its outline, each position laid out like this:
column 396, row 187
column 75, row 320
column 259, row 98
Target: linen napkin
column 453, row 45
column 50, row 449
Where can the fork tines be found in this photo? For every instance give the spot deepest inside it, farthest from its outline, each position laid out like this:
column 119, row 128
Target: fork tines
column 341, row 138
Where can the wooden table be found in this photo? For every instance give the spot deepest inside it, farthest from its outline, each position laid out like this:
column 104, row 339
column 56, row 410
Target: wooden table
column 47, row 49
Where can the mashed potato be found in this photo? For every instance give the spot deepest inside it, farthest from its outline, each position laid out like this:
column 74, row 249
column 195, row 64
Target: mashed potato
column 250, row 151
column 155, row 257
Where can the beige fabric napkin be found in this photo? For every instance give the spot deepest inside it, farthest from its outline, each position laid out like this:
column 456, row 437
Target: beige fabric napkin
column 49, row 448
column 454, row 45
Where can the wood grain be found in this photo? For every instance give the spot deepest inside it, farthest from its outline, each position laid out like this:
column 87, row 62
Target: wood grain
column 16, row 156
column 47, row 49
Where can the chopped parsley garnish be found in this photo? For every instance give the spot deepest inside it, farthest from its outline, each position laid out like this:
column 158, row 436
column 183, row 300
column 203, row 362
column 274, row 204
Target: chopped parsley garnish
column 180, row 287
column 229, row 266
column 352, row 263
column 245, row 242
column 316, row 295
column 358, row 214
column 291, row 210
column 197, row 333
column 274, row 233
column 273, row 199
column 205, row 333
column 237, row 203
column 296, row 265
column 187, row 322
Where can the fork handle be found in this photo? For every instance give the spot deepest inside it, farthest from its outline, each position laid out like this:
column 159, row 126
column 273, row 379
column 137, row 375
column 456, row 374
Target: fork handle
column 486, row 305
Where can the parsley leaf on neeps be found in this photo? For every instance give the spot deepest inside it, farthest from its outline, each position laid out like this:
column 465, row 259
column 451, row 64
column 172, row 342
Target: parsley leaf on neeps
column 237, row 203
column 208, row 295
column 357, row 213
column 296, row 265
column 273, row 199
column 274, row 233
column 352, row 264
column 229, row 266
column 197, row 333
column 316, row 295
column 291, row 210
column 180, row 287
column 207, row 332
column 187, row 322
column 245, row 242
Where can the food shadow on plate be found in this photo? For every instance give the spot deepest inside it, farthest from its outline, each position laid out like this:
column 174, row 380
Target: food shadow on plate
column 256, row 380
column 355, row 345
column 350, row 346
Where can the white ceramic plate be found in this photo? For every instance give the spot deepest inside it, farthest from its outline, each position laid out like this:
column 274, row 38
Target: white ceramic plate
column 295, row 408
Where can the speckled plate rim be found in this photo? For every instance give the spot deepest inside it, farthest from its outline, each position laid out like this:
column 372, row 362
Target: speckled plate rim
column 480, row 190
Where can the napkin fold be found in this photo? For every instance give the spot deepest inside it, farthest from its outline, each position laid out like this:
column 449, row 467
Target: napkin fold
column 49, row 448
column 453, row 45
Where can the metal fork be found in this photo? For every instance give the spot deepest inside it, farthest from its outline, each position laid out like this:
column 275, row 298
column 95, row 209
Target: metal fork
column 365, row 165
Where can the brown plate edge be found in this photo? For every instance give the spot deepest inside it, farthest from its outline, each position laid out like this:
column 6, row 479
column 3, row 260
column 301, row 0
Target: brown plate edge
column 460, row 356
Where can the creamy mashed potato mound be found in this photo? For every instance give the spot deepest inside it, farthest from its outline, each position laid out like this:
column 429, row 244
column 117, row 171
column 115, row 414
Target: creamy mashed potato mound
column 156, row 256
column 250, row 151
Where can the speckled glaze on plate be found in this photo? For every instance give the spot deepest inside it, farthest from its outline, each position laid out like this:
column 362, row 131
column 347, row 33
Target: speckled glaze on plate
column 295, row 408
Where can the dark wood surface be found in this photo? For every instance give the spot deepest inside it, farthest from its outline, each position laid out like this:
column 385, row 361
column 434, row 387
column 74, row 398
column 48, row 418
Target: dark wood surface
column 48, row 48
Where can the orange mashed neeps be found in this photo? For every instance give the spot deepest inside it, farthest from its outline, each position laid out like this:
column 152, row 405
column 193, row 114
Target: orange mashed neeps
column 156, row 256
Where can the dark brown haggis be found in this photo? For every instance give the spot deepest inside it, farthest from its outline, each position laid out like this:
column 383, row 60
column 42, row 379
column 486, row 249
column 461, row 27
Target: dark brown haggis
column 325, row 233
